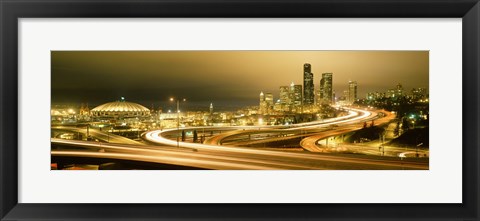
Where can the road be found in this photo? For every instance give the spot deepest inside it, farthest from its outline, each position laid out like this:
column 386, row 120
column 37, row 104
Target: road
column 310, row 143
column 298, row 130
column 375, row 150
column 100, row 135
column 208, row 156
column 218, row 157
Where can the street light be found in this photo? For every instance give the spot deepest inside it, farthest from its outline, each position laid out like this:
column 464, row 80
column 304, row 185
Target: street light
column 178, row 118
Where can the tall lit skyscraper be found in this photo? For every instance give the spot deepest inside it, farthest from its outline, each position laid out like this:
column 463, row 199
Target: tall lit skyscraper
column 266, row 103
column 295, row 94
column 326, row 89
column 262, row 106
column 352, row 91
column 284, row 95
column 290, row 97
column 308, row 88
column 269, row 102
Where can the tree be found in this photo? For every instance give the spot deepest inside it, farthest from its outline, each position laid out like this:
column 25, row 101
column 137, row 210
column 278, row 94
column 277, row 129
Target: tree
column 195, row 136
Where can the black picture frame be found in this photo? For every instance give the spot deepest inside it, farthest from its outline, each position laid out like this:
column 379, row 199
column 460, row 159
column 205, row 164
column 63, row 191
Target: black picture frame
column 11, row 11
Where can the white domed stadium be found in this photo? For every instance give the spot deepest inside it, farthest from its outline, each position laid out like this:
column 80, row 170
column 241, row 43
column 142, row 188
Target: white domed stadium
column 120, row 109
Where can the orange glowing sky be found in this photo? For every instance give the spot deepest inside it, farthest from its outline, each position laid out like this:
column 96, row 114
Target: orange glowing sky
column 224, row 76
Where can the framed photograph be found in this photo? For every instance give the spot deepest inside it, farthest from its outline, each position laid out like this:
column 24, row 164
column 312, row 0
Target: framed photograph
column 239, row 110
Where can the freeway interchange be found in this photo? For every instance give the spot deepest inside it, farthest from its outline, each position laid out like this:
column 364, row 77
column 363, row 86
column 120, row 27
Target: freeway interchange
column 233, row 148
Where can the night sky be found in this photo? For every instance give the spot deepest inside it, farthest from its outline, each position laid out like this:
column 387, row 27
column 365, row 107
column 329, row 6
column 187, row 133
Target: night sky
column 232, row 78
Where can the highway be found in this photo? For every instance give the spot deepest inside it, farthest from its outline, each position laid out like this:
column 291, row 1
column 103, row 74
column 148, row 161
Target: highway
column 218, row 157
column 278, row 133
column 310, row 143
column 375, row 150
column 104, row 136
column 212, row 155
column 297, row 129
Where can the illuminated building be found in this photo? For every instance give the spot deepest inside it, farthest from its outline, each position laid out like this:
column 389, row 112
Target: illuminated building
column 370, row 96
column 284, row 101
column 262, row 106
column 419, row 93
column 84, row 113
column 399, row 91
column 119, row 110
column 352, row 91
column 269, row 102
column 390, row 93
column 326, row 89
column 284, row 95
column 266, row 103
column 396, row 93
column 308, row 88
column 290, row 98
column 84, row 110
column 278, row 106
column 295, row 95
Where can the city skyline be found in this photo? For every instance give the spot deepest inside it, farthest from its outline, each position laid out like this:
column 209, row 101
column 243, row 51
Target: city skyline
column 224, row 76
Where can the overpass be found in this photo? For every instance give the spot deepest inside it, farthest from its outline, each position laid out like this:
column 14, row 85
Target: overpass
column 207, row 156
column 310, row 143
column 224, row 158
column 100, row 135
column 279, row 133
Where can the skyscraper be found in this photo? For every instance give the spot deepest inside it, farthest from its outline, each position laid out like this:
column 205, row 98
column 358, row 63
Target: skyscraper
column 262, row 106
column 295, row 95
column 326, row 89
column 308, row 88
column 290, row 97
column 352, row 91
column 269, row 102
column 284, row 97
column 266, row 103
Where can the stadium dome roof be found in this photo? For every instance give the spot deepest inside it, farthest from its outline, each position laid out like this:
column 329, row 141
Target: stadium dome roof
column 120, row 108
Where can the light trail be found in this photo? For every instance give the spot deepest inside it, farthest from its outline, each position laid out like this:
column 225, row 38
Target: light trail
column 354, row 115
column 105, row 136
column 221, row 157
column 156, row 136
column 172, row 152
column 259, row 159
column 192, row 162
column 310, row 143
